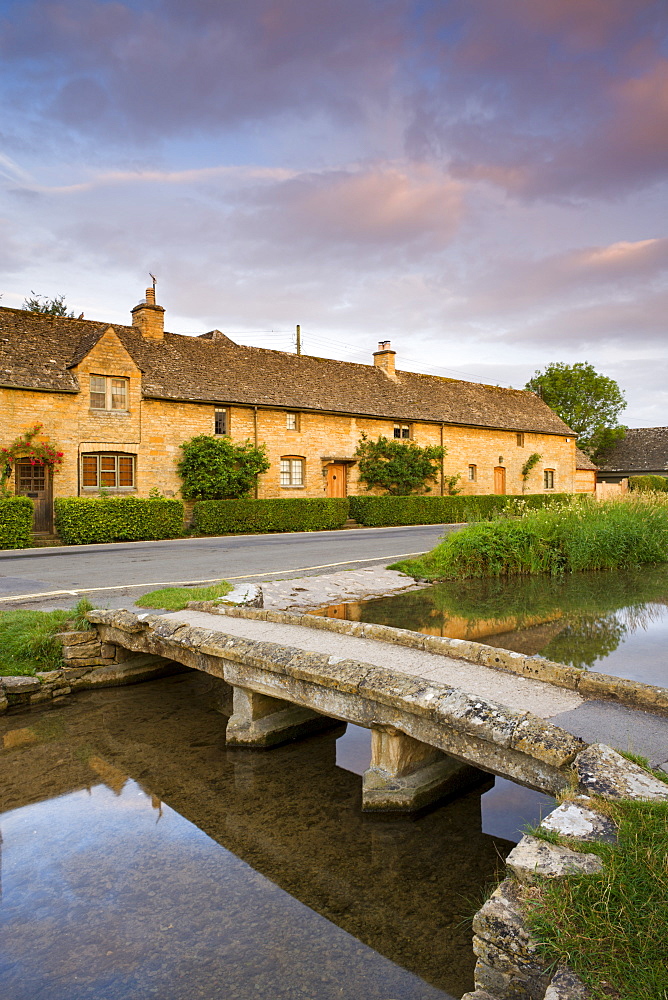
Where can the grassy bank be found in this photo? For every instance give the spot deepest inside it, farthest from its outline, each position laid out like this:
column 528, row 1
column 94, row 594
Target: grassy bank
column 176, row 598
column 573, row 536
column 27, row 642
column 611, row 927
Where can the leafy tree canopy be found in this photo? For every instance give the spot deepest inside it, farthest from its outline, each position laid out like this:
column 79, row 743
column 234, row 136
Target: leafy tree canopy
column 400, row 467
column 214, row 468
column 52, row 307
column 588, row 402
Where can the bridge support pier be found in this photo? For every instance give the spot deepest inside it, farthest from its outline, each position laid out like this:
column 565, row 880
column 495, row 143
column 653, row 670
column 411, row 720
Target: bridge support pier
column 406, row 775
column 259, row 721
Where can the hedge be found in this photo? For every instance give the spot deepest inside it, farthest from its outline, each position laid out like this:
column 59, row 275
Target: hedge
column 15, row 522
column 82, row 520
column 389, row 510
column 222, row 517
column 652, row 484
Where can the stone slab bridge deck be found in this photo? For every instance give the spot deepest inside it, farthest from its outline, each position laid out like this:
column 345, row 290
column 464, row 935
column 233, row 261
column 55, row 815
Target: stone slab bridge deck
column 439, row 724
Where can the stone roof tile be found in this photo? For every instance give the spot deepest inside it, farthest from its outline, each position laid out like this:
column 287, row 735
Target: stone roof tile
column 212, row 368
column 644, row 449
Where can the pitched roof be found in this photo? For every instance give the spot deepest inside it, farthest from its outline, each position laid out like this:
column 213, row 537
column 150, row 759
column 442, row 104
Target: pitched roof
column 39, row 351
column 583, row 461
column 644, row 449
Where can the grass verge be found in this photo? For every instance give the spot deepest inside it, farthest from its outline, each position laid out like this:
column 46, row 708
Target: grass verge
column 27, row 642
column 176, row 598
column 611, row 927
column 565, row 538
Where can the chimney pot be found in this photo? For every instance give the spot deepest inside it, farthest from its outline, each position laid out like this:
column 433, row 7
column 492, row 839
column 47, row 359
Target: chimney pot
column 149, row 318
column 383, row 358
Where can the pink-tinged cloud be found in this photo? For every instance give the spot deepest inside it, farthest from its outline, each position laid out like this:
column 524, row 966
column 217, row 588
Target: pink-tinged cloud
column 546, row 99
column 384, row 209
column 517, row 286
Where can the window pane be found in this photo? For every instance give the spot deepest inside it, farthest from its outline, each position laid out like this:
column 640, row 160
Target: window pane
column 125, row 470
column 291, row 421
column 89, row 470
column 405, row 431
column 98, row 388
column 397, row 431
column 297, row 472
column 285, row 472
column 119, row 394
column 220, row 422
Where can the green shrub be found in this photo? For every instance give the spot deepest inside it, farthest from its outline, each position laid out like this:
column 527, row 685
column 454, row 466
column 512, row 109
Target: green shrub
column 389, row 510
column 579, row 534
column 222, row 517
column 15, row 522
column 215, row 468
column 82, row 520
column 649, row 484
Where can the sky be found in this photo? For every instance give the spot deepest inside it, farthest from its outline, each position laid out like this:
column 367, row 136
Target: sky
column 481, row 182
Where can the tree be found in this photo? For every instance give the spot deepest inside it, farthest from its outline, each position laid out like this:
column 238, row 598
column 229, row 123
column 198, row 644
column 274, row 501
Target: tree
column 400, row 467
column 51, row 307
column 215, row 468
column 588, row 402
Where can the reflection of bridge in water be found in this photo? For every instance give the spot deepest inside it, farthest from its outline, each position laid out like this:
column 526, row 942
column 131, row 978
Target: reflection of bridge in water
column 402, row 887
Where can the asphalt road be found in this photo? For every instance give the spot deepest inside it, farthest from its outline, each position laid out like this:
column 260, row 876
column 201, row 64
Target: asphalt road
column 115, row 575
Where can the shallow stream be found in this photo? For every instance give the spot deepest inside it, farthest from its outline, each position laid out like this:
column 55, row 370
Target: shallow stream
column 142, row 858
column 613, row 622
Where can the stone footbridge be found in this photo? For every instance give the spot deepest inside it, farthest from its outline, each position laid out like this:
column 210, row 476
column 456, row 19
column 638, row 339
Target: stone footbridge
column 281, row 680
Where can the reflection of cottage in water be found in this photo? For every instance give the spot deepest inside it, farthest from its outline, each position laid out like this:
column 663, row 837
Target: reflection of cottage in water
column 614, row 621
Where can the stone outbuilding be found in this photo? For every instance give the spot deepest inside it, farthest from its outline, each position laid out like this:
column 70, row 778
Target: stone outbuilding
column 642, row 452
column 119, row 401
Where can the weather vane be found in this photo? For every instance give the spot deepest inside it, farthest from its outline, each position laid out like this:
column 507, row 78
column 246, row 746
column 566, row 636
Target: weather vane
column 153, row 277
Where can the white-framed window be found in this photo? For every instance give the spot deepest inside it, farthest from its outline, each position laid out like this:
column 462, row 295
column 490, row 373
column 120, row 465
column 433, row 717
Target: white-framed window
column 520, row 440
column 220, row 421
column 107, row 392
column 292, row 472
column 402, row 431
column 548, row 479
column 107, row 470
column 473, row 473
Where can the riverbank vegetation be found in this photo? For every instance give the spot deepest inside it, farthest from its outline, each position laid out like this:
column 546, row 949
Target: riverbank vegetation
column 27, row 638
column 578, row 534
column 610, row 927
column 176, row 598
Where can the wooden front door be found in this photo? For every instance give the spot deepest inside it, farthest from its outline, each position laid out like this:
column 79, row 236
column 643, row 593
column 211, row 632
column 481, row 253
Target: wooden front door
column 499, row 479
column 34, row 481
column 336, row 480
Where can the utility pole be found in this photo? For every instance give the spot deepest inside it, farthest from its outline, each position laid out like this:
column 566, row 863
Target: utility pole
column 299, row 339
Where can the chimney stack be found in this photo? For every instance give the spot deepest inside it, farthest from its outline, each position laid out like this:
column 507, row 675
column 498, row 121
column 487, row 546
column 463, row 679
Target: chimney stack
column 384, row 357
column 149, row 318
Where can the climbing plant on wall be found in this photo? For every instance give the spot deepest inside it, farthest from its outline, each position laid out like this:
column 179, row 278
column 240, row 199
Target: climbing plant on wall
column 26, row 446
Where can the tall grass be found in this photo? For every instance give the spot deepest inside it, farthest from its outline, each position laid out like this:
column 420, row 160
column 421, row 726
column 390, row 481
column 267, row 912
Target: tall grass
column 27, row 642
column 573, row 536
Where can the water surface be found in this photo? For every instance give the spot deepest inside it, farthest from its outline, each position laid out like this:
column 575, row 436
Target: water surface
column 615, row 622
column 142, row 858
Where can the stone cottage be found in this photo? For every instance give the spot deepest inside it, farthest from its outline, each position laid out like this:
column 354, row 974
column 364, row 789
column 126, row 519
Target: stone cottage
column 120, row 400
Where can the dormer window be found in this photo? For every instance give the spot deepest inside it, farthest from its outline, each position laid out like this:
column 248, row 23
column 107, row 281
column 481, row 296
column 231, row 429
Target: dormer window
column 108, row 392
